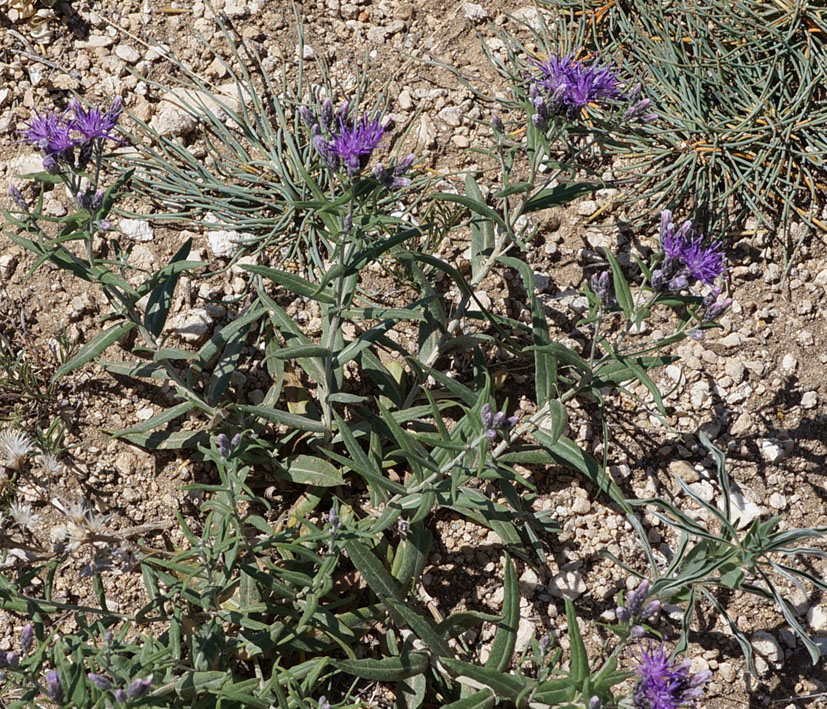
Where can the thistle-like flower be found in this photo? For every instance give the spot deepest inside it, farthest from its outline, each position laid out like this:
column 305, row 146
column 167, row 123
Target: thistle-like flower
column 342, row 141
column 50, row 132
column 15, row 446
column 94, row 124
column 50, row 464
column 687, row 258
column 569, row 85
column 665, row 684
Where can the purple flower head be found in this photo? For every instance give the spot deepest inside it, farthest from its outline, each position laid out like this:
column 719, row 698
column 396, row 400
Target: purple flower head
column 594, row 703
column 704, row 263
column 687, row 257
column 570, row 85
column 99, row 681
column 354, row 142
column 139, row 687
column 663, row 683
column 94, row 124
column 323, row 703
column 50, row 132
column 53, row 686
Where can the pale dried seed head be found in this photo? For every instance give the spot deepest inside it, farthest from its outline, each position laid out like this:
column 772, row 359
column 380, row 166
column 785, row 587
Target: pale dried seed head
column 23, row 516
column 51, row 465
column 15, row 446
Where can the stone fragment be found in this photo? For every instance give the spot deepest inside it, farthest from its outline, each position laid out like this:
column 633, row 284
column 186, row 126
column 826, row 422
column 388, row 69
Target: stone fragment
column 778, row 501
column 817, row 618
column 742, row 424
column 426, row 132
column 789, row 363
column 774, row 451
column 587, row 207
column 767, row 646
column 809, row 400
column 567, row 584
column 475, row 12
column 129, row 54
column 137, row 229
column 450, row 115
column 581, row 506
column 684, row 470
column 193, row 325
column 743, row 510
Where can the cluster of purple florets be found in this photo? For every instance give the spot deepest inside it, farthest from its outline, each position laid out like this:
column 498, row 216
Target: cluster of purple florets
column 565, row 86
column 495, row 423
column 688, row 260
column 636, row 607
column 58, row 133
column 663, row 683
column 348, row 142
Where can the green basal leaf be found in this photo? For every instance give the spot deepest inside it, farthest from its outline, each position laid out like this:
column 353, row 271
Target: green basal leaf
column 310, row 470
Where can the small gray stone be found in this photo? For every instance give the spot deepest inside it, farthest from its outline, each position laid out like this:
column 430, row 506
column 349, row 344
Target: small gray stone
column 587, row 208
column 129, row 54
column 581, row 506
column 767, row 646
column 742, row 424
column 474, row 12
column 405, row 100
column 137, row 229
column 734, row 339
column 377, row 34
column 567, row 584
column 684, row 470
column 450, row 115
column 789, row 363
column 426, row 132
column 773, row 451
column 778, row 501
column 809, row 400
column 817, row 618
column 192, row 326
column 736, row 370
column 727, row 672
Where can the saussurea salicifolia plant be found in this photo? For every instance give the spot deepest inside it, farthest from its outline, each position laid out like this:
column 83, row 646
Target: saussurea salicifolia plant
column 306, row 594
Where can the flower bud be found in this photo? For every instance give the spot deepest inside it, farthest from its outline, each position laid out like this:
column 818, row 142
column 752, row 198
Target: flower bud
column 99, row 681
column 12, row 659
column 97, row 200
column 623, row 614
column 27, row 637
column 53, row 686
column 307, row 116
column 50, row 165
column 497, row 125
column 18, row 198
column 138, row 688
column 594, row 703
column 637, row 631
